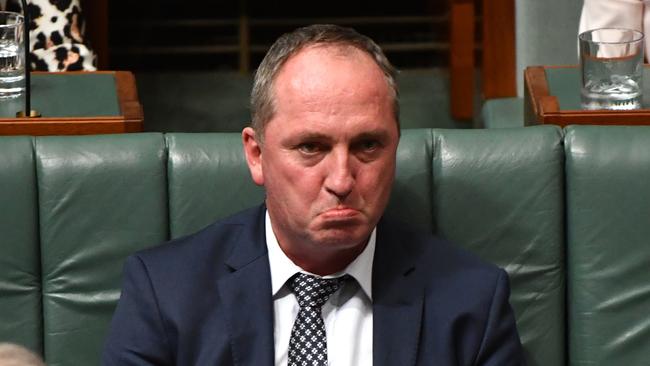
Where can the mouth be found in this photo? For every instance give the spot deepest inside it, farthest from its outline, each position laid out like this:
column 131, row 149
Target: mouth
column 340, row 213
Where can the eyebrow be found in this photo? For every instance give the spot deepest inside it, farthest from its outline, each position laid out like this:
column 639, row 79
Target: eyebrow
column 379, row 134
column 374, row 135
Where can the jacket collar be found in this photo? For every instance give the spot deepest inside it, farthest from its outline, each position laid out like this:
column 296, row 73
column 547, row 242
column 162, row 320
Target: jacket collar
column 398, row 299
column 246, row 293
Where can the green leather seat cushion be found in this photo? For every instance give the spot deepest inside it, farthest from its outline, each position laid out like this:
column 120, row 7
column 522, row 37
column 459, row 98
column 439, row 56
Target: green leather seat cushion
column 208, row 180
column 101, row 198
column 499, row 193
column 20, row 284
column 608, row 216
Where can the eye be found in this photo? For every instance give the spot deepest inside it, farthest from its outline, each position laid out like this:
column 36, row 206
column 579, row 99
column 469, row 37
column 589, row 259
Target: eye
column 309, row 148
column 368, row 145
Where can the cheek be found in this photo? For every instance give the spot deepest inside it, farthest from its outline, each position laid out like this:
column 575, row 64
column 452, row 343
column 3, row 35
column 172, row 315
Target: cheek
column 295, row 184
column 379, row 174
column 307, row 186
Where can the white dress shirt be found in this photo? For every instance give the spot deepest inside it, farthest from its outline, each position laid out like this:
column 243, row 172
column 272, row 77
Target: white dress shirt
column 347, row 314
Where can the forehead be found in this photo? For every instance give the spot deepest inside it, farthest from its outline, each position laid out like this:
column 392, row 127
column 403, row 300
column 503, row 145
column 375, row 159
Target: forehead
column 331, row 91
column 316, row 58
column 321, row 72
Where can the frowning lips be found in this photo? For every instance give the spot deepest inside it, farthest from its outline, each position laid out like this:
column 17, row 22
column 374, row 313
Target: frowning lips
column 340, row 213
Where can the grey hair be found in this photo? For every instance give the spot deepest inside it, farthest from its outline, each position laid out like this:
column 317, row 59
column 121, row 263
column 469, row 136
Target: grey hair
column 262, row 98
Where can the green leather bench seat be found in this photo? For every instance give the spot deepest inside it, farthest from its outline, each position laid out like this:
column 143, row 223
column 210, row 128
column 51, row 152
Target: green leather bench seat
column 21, row 318
column 75, row 207
column 503, row 113
column 500, row 194
column 101, row 198
column 438, row 188
column 608, row 213
column 413, row 180
column 208, row 180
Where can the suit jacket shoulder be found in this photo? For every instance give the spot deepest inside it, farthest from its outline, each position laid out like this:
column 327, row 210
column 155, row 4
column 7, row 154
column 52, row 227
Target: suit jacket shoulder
column 206, row 299
column 448, row 305
column 211, row 247
column 196, row 300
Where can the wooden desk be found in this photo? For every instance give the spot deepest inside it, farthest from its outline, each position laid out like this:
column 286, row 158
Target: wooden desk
column 77, row 103
column 552, row 96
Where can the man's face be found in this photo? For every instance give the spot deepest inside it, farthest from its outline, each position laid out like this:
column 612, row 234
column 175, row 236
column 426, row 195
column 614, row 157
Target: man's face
column 328, row 158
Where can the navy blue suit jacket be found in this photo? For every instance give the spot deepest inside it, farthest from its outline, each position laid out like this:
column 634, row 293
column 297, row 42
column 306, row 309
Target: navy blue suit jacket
column 206, row 300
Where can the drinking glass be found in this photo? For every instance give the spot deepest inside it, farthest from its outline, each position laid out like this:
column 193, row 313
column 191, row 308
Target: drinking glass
column 12, row 55
column 611, row 60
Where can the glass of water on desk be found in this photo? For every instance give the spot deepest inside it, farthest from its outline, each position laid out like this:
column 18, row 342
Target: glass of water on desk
column 12, row 55
column 611, row 60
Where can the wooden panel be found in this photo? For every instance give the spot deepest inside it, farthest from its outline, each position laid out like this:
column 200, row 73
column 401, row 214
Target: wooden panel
column 535, row 88
column 127, row 94
column 543, row 108
column 462, row 59
column 130, row 119
column 499, row 63
column 244, row 45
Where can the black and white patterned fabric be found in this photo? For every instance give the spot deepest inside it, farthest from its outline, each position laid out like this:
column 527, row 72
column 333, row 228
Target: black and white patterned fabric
column 308, row 342
column 56, row 35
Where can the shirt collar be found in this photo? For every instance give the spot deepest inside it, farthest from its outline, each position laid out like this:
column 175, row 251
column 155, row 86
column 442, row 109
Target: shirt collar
column 282, row 268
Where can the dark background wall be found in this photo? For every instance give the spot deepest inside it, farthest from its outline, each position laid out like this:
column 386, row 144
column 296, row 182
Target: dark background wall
column 193, row 61
column 213, row 35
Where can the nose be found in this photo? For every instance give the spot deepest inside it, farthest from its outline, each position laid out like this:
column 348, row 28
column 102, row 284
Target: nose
column 339, row 180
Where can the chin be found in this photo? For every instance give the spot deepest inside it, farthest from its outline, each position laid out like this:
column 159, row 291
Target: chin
column 343, row 238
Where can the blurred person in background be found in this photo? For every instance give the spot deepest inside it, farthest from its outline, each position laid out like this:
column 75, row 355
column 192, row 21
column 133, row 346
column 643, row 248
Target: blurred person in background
column 631, row 14
column 15, row 355
column 56, row 35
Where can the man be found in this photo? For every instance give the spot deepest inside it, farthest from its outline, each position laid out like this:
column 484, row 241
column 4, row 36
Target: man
column 315, row 276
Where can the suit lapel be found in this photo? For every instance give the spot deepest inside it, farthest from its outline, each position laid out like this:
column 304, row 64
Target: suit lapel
column 246, row 295
column 398, row 301
column 398, row 298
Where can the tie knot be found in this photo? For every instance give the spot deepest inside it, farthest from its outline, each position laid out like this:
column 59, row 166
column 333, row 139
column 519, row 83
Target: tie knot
column 313, row 291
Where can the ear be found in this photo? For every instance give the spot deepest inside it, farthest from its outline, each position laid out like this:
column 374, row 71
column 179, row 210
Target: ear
column 253, row 152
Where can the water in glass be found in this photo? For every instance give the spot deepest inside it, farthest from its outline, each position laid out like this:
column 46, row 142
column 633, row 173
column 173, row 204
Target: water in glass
column 12, row 73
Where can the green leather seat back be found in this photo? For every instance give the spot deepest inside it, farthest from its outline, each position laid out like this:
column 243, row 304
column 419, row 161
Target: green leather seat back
column 208, row 180
column 101, row 199
column 20, row 283
column 608, row 216
column 410, row 200
column 503, row 113
column 499, row 193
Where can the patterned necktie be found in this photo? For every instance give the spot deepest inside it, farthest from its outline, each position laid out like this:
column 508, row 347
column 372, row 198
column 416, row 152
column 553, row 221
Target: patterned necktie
column 308, row 342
